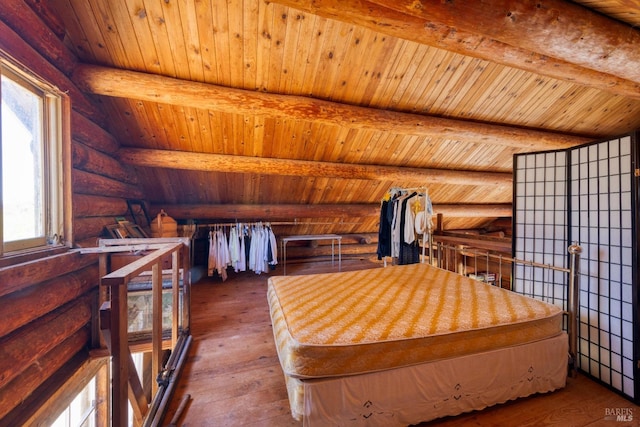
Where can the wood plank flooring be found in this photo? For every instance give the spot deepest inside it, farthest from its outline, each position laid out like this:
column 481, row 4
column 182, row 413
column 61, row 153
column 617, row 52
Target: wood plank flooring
column 234, row 379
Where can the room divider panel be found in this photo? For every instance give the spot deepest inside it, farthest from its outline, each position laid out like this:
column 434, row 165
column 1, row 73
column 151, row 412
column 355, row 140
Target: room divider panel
column 587, row 195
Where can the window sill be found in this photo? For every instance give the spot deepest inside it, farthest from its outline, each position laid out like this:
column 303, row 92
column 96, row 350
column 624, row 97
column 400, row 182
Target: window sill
column 18, row 257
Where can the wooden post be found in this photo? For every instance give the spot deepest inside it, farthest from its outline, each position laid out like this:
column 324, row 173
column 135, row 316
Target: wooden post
column 156, row 329
column 120, row 352
column 460, row 268
column 186, row 286
column 175, row 294
column 135, row 391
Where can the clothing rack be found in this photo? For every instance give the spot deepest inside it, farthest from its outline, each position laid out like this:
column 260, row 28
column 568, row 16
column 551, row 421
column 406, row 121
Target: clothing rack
column 232, row 224
column 271, row 223
column 242, row 246
column 427, row 235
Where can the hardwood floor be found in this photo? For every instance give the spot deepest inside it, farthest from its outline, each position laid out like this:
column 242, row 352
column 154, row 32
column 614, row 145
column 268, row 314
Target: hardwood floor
column 234, row 378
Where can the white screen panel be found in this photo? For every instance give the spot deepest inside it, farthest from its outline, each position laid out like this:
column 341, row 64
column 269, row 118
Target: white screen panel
column 604, row 199
column 594, row 206
column 540, row 224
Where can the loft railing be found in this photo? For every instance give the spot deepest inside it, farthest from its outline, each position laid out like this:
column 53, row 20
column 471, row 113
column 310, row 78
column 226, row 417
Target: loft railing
column 149, row 256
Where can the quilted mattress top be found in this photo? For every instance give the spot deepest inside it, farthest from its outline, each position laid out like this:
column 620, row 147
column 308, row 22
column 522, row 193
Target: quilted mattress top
column 363, row 321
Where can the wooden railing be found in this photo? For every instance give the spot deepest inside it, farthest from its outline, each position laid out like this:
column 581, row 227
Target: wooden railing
column 149, row 256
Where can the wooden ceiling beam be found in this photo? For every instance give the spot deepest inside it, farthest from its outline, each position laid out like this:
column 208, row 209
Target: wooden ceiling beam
column 556, row 28
column 554, row 38
column 284, row 212
column 269, row 166
column 148, row 87
column 291, row 212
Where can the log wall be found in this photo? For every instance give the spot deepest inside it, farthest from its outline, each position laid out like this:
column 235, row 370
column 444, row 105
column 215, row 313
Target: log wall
column 48, row 301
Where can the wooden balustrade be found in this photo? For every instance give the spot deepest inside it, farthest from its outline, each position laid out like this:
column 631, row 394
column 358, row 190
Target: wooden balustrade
column 150, row 255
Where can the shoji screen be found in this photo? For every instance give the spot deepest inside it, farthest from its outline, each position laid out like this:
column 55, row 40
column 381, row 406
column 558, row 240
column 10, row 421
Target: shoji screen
column 602, row 222
column 541, row 224
column 588, row 195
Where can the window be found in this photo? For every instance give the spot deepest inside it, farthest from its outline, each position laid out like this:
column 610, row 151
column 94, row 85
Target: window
column 82, row 411
column 83, row 403
column 31, row 178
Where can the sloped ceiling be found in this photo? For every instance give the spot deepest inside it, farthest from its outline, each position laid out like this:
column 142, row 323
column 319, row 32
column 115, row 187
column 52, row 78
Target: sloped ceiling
column 251, row 109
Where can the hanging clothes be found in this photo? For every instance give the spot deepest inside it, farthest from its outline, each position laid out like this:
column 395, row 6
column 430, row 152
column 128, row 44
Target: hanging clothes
column 408, row 250
column 244, row 248
column 234, row 249
column 273, row 249
column 253, row 249
column 211, row 259
column 241, row 247
column 223, row 257
column 398, row 237
column 397, row 232
column 242, row 262
column 384, row 230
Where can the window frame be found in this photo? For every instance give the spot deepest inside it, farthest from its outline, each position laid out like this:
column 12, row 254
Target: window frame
column 56, row 143
column 53, row 401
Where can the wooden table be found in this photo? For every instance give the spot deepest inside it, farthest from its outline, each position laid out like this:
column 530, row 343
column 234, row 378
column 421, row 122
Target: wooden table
column 332, row 237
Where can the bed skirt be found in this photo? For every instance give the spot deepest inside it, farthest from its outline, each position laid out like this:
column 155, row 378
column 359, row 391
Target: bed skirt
column 414, row 394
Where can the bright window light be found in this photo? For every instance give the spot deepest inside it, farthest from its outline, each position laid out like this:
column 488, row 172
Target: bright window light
column 22, row 175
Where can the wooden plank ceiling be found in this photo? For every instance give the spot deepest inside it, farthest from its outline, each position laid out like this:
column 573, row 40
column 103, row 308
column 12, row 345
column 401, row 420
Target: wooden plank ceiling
column 297, row 102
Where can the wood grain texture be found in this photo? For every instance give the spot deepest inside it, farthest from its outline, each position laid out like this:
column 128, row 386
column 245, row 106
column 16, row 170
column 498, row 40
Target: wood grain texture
column 146, row 87
column 288, row 167
column 521, row 35
column 17, row 278
column 297, row 80
column 22, row 348
column 554, row 28
column 20, row 390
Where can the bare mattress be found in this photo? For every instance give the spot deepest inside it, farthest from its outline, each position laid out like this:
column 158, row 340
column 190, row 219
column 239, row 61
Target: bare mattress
column 337, row 324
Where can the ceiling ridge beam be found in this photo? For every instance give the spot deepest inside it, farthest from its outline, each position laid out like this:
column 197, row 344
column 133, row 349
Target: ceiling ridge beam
column 554, row 38
column 208, row 162
column 154, row 88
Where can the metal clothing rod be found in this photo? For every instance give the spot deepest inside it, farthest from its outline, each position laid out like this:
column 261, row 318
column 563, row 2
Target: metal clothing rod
column 232, row 224
column 268, row 223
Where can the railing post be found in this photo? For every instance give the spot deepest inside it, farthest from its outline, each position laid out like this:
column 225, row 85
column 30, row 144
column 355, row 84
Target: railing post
column 573, row 306
column 460, row 263
column 120, row 353
column 431, row 261
column 175, row 297
column 156, row 325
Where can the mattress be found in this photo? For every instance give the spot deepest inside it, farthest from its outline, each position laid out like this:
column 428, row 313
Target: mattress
column 355, row 322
